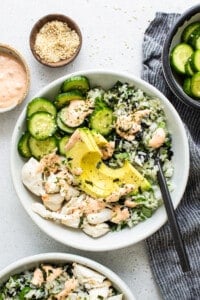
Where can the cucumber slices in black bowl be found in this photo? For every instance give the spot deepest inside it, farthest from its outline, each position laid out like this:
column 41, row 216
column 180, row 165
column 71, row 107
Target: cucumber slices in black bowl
column 181, row 58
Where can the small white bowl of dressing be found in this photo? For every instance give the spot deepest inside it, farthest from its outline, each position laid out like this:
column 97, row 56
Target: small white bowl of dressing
column 14, row 78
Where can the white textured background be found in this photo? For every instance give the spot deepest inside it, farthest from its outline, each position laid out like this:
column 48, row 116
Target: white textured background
column 112, row 39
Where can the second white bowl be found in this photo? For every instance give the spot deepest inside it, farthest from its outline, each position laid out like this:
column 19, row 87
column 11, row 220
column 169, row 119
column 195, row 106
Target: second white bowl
column 34, row 261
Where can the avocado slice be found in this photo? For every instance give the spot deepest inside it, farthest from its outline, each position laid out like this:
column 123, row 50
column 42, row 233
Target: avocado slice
column 79, row 145
column 97, row 179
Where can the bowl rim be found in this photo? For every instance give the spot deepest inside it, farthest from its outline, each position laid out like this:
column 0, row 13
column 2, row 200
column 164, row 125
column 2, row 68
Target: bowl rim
column 155, row 226
column 167, row 71
column 26, row 262
column 40, row 23
column 15, row 53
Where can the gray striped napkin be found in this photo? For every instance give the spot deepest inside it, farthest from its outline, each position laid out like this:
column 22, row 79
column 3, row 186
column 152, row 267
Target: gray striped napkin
column 175, row 284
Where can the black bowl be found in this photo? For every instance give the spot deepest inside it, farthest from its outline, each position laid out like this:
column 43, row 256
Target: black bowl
column 173, row 80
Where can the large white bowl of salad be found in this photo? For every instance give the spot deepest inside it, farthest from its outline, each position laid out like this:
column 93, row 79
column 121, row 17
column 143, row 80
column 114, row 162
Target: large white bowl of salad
column 83, row 159
column 61, row 276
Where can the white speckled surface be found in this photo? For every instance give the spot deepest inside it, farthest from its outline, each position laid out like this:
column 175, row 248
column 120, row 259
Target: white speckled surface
column 112, row 39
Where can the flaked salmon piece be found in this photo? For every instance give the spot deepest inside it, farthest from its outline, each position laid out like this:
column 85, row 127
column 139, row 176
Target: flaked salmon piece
column 120, row 214
column 76, row 112
column 122, row 191
column 158, row 138
column 50, row 163
column 70, row 286
column 38, row 277
column 128, row 125
column 107, row 150
column 51, row 273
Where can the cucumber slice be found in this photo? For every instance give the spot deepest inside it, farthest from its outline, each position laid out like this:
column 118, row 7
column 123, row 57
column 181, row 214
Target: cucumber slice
column 41, row 125
column 194, row 37
column 62, row 143
column 41, row 148
column 76, row 83
column 78, row 116
column 179, row 56
column 64, row 98
column 23, row 147
column 188, row 68
column 62, row 126
column 195, row 85
column 102, row 120
column 187, row 86
column 41, row 104
column 188, row 31
column 195, row 60
column 197, row 43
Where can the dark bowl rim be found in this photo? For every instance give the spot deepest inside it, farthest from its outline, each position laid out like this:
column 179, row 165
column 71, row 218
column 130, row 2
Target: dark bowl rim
column 169, row 77
column 50, row 17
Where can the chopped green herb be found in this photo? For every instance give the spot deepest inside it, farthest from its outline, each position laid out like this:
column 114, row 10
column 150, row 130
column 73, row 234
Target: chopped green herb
column 147, row 212
column 98, row 165
column 89, row 182
column 116, row 180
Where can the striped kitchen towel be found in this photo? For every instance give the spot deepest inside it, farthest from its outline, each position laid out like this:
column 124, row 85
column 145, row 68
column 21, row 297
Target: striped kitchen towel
column 173, row 283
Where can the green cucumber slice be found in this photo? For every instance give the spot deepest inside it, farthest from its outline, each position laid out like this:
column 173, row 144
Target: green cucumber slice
column 187, row 86
column 195, row 85
column 188, row 31
column 63, row 99
column 195, row 60
column 194, row 37
column 62, row 143
column 76, row 83
column 65, row 116
column 62, row 126
column 41, row 148
column 101, row 120
column 179, row 56
column 41, row 125
column 41, row 104
column 197, row 43
column 188, row 68
column 23, row 146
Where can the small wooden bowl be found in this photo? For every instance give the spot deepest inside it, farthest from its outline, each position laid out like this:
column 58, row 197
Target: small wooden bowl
column 40, row 23
column 12, row 52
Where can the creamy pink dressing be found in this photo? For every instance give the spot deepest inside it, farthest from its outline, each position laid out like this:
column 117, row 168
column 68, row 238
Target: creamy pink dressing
column 12, row 80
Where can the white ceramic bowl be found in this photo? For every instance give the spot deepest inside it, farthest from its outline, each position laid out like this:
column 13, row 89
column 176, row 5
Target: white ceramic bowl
column 126, row 237
column 31, row 262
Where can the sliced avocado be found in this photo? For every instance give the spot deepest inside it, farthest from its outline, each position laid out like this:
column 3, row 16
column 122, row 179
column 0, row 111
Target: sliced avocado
column 126, row 174
column 99, row 139
column 79, row 145
column 97, row 179
column 92, row 181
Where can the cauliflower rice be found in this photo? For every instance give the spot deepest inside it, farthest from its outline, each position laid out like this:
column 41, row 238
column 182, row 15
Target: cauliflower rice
column 132, row 144
column 49, row 282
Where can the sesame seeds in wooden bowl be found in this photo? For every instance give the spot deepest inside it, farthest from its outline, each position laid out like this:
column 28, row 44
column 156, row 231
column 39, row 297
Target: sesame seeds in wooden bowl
column 55, row 40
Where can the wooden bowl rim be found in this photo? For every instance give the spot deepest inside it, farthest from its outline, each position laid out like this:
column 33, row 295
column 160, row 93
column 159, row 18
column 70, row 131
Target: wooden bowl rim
column 41, row 22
